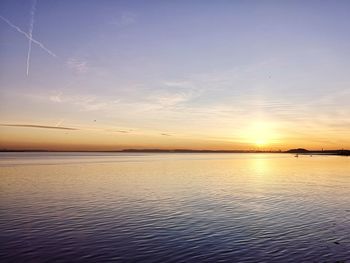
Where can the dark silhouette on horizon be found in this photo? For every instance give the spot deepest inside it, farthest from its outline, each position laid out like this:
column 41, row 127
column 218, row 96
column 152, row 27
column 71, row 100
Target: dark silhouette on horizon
column 301, row 151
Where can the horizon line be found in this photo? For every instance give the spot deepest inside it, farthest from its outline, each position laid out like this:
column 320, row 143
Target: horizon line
column 156, row 150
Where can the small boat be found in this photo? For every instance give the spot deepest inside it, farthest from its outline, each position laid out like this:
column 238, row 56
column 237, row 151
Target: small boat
column 297, row 155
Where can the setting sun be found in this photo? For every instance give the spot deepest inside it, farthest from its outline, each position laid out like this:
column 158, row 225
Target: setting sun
column 260, row 142
column 260, row 134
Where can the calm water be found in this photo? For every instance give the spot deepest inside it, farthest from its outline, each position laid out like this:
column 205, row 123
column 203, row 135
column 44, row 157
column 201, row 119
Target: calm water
column 174, row 208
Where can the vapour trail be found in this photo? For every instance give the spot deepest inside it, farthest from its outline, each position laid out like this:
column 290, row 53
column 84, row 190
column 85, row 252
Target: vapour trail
column 30, row 33
column 59, row 123
column 39, row 126
column 28, row 37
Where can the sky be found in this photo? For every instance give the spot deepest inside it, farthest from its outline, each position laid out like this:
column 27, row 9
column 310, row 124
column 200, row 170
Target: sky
column 110, row 75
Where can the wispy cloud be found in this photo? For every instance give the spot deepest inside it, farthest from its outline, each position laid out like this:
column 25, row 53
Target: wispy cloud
column 38, row 126
column 125, row 19
column 178, row 84
column 88, row 103
column 128, row 18
column 172, row 93
column 119, row 131
column 79, row 66
column 85, row 103
column 56, row 98
column 167, row 99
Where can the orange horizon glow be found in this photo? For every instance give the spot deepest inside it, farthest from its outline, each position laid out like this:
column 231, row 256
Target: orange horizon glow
column 257, row 136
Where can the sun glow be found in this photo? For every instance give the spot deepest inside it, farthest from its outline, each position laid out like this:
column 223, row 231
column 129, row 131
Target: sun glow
column 260, row 134
column 260, row 142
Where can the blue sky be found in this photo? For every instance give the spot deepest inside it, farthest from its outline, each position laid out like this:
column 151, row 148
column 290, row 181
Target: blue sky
column 194, row 74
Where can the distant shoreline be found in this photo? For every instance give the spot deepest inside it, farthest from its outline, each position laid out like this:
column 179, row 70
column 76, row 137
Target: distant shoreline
column 298, row 151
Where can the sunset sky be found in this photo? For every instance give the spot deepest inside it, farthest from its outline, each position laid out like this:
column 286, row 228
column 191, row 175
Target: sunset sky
column 105, row 75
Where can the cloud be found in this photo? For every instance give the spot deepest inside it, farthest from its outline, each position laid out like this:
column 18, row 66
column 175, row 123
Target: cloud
column 179, row 84
column 173, row 93
column 88, row 103
column 93, row 106
column 125, row 19
column 77, row 65
column 39, row 126
column 170, row 99
column 85, row 103
column 128, row 18
column 56, row 98
column 119, row 131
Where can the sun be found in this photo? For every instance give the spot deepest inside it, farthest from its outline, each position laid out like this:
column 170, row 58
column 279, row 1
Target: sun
column 260, row 134
column 260, row 142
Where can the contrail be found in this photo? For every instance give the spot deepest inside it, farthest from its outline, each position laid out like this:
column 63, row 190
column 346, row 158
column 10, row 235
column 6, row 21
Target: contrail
column 30, row 33
column 38, row 126
column 28, row 37
column 59, row 122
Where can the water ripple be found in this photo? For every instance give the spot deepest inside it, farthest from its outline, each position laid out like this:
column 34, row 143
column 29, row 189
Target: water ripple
column 175, row 208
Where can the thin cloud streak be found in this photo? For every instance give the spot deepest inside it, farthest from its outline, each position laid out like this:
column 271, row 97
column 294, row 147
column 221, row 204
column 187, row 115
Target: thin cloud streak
column 39, row 126
column 59, row 123
column 123, row 131
column 41, row 45
column 119, row 131
column 30, row 33
column 79, row 66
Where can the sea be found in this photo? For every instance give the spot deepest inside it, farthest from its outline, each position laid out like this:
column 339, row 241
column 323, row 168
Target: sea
column 174, row 207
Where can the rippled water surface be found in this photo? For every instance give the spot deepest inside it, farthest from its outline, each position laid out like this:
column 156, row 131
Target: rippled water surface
column 174, row 208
